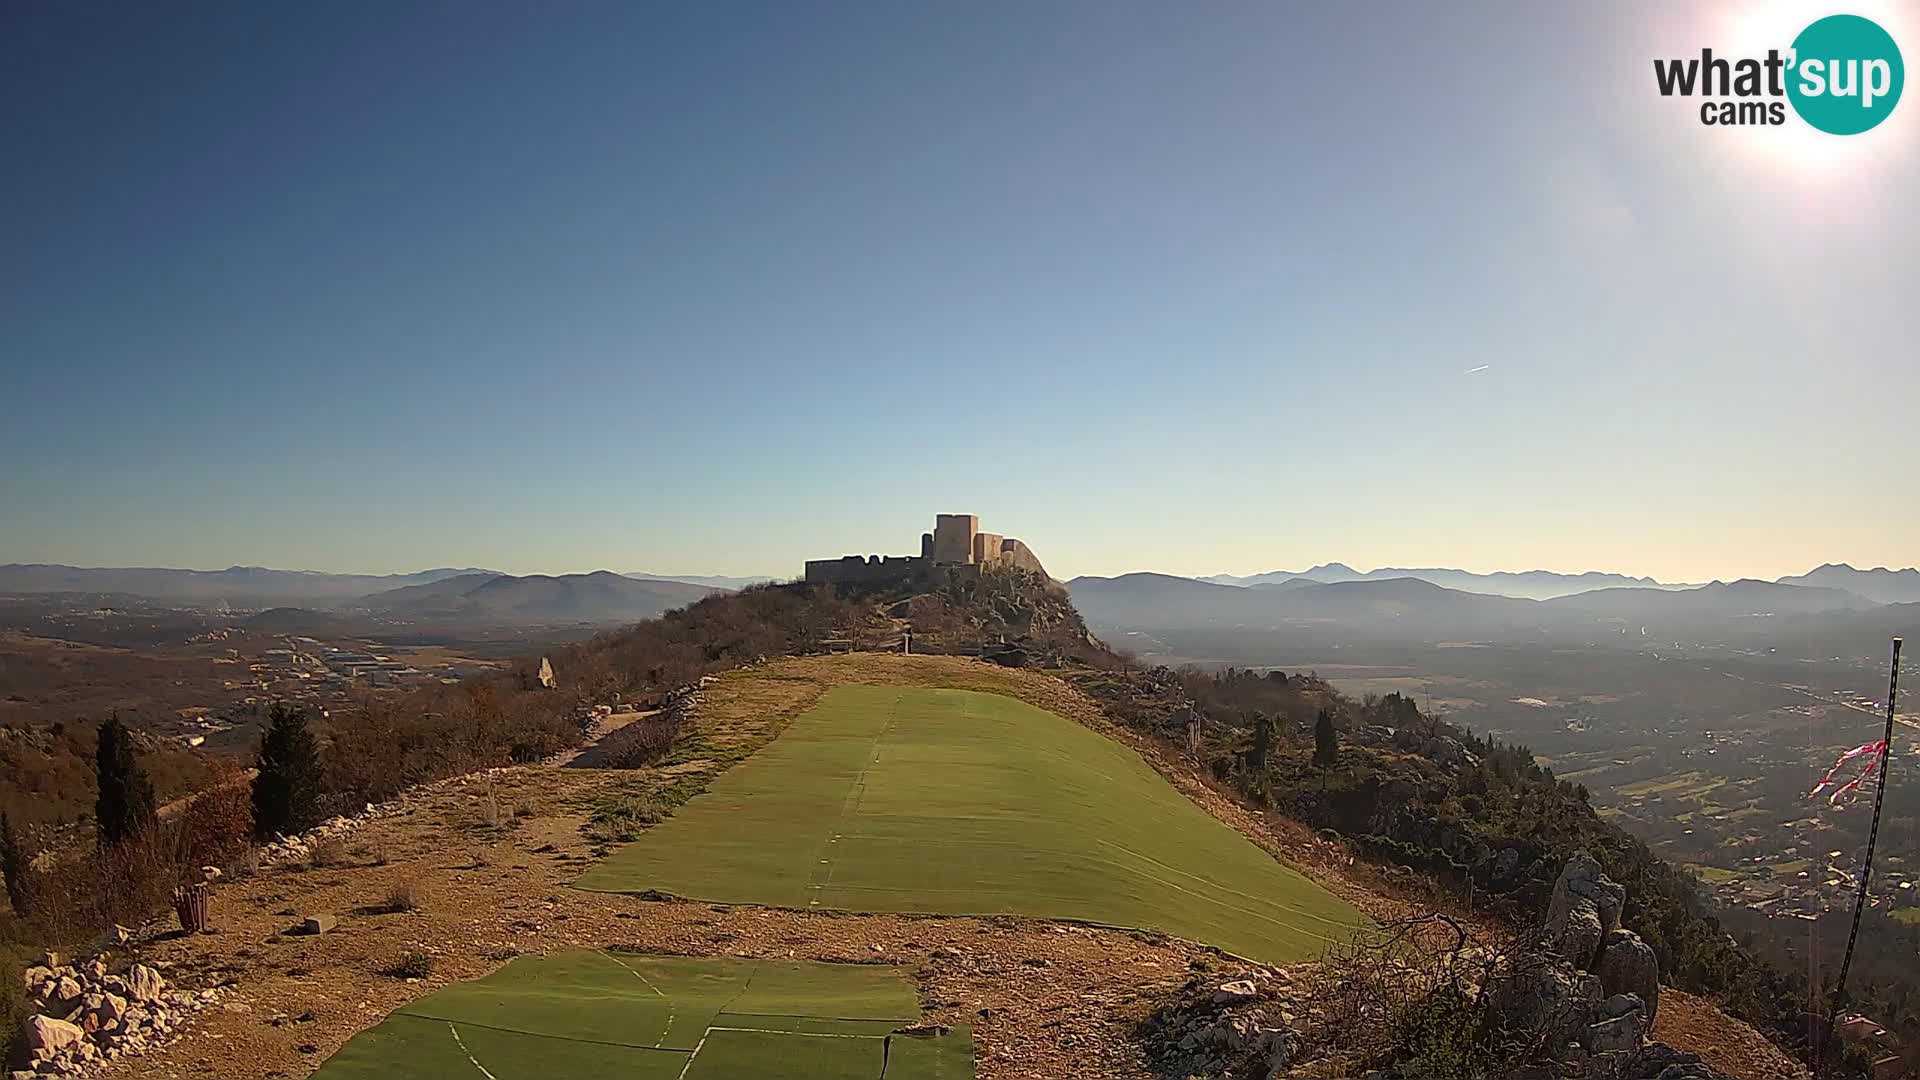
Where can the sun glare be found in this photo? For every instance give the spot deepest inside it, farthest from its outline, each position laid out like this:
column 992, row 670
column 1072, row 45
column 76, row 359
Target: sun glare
column 1796, row 152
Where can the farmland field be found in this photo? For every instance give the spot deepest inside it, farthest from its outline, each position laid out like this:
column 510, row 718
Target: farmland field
column 884, row 799
column 584, row 1015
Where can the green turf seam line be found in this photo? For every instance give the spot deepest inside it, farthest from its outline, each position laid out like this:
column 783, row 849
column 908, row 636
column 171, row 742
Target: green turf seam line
column 801, row 1034
column 744, row 987
column 851, row 804
column 847, row 1019
column 695, row 1054
column 461, row 1043
column 672, row 1015
column 537, row 1034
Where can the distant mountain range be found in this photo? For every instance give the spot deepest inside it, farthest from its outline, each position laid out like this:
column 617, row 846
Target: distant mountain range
column 1526, row 584
column 602, row 597
column 239, row 586
column 1456, row 601
column 1416, row 606
column 1878, row 584
column 1881, row 585
column 1160, row 601
column 715, row 581
column 443, row 593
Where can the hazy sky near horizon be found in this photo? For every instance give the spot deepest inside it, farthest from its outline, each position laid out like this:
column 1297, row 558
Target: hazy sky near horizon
column 716, row 288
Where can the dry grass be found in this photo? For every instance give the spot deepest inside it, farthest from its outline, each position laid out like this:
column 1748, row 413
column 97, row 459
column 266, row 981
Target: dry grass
column 404, row 896
column 328, row 854
column 412, row 965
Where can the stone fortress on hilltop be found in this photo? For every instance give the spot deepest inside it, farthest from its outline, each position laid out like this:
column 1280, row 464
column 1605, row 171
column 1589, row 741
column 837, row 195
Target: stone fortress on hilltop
column 956, row 543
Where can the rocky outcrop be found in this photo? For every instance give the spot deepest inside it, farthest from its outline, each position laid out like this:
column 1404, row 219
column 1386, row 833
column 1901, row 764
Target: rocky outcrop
column 1592, row 988
column 1236, row 1027
column 1443, row 750
column 1585, row 908
column 83, row 1016
column 1627, row 966
column 1544, row 994
column 1621, row 1024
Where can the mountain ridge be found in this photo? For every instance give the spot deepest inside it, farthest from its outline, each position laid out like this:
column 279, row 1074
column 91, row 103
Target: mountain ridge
column 599, row 597
column 1520, row 584
column 1166, row 601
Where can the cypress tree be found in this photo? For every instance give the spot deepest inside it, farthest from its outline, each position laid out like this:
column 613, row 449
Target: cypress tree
column 125, row 806
column 1326, row 740
column 286, row 793
column 1262, row 741
column 13, row 864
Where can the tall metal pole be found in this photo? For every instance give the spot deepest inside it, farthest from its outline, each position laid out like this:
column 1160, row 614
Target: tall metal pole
column 1873, row 834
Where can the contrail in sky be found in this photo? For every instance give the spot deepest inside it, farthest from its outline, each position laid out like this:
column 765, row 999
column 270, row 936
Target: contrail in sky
column 1471, row 370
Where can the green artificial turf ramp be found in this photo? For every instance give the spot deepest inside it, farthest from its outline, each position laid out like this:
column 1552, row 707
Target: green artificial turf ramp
column 949, row 1057
column 961, row 803
column 406, row 1047
column 589, row 1015
column 764, row 1055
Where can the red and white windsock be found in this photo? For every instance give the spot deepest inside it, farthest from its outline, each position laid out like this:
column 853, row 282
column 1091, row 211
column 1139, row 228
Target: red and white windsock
column 1873, row 752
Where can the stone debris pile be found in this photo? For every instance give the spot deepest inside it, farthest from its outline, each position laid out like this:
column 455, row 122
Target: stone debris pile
column 81, row 1016
column 1234, row 1025
column 297, row 848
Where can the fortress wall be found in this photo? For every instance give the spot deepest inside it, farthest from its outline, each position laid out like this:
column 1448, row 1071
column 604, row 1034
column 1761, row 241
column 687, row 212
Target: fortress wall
column 956, row 542
column 986, row 547
column 863, row 570
column 1015, row 553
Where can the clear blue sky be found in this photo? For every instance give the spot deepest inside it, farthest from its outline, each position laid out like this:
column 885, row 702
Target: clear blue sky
column 719, row 287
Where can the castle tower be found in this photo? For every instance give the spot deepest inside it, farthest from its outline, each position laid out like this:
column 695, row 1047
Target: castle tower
column 953, row 539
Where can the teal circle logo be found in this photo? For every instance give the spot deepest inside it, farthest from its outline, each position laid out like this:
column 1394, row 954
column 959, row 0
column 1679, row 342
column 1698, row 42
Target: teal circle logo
column 1847, row 74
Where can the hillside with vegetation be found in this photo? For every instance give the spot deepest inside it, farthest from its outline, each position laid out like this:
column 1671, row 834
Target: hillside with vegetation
column 1438, row 818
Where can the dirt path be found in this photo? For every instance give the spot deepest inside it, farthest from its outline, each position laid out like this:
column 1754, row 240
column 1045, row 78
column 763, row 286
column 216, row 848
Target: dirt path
column 587, row 755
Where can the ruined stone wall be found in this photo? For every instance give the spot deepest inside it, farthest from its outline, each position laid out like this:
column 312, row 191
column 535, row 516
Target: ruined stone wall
column 1015, row 553
column 953, row 538
column 986, row 547
column 863, row 570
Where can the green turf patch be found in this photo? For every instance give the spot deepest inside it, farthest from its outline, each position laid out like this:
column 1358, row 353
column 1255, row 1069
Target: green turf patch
column 740, row 1055
column 962, row 803
column 414, row 1046
column 587, row 1015
column 949, row 1057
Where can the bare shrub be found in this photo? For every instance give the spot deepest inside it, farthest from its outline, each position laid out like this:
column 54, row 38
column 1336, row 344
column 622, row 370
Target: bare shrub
column 218, row 822
column 411, row 965
column 328, row 853
column 13, row 1008
column 1418, row 995
column 245, row 865
column 404, row 897
column 78, row 895
column 623, row 816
